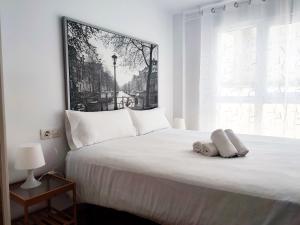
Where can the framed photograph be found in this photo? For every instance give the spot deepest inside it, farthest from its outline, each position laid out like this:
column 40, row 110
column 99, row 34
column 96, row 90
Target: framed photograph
column 106, row 70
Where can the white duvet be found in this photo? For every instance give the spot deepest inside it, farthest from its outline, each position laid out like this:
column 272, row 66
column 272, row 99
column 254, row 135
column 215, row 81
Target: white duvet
column 159, row 177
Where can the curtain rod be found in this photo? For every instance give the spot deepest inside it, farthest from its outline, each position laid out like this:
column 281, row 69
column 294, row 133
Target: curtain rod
column 217, row 5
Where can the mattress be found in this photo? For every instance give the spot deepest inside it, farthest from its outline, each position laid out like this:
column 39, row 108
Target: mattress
column 159, row 177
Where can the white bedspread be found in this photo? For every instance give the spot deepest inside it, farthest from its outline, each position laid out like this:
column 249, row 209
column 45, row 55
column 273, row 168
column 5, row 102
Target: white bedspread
column 159, row 177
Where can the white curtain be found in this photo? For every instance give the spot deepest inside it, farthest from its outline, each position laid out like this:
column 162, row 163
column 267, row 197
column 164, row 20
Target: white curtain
column 249, row 76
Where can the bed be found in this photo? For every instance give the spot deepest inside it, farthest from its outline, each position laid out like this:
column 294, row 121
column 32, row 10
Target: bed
column 159, row 177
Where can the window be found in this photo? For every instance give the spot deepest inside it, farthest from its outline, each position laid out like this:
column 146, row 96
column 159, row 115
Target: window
column 258, row 80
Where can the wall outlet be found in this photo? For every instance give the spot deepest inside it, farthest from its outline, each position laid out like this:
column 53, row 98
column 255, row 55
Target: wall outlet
column 50, row 133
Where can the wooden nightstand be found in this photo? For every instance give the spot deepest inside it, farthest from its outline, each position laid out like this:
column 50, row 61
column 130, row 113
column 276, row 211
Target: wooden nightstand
column 52, row 185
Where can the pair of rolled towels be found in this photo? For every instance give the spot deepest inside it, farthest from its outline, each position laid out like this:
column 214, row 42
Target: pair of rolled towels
column 224, row 143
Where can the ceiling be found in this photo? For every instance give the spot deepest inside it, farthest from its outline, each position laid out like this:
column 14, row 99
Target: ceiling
column 180, row 5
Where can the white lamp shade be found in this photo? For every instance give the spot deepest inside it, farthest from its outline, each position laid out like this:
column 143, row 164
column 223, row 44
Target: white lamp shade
column 30, row 156
column 179, row 123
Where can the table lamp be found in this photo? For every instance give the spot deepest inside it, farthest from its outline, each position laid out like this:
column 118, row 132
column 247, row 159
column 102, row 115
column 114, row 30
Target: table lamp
column 30, row 157
column 179, row 123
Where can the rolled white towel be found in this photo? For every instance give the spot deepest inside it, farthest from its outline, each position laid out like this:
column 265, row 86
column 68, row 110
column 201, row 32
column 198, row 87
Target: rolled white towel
column 240, row 147
column 205, row 148
column 197, row 146
column 209, row 149
column 223, row 144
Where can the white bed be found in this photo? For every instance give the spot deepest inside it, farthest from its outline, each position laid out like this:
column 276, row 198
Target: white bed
column 157, row 176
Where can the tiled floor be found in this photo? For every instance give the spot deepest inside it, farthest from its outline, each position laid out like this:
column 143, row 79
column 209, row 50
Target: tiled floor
column 95, row 215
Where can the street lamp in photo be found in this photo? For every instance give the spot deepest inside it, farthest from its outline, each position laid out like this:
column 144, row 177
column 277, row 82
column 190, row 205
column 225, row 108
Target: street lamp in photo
column 114, row 57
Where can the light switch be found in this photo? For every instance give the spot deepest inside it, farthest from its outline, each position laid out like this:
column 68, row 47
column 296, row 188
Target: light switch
column 50, row 133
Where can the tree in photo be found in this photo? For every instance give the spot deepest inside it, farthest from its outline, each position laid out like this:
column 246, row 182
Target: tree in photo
column 136, row 53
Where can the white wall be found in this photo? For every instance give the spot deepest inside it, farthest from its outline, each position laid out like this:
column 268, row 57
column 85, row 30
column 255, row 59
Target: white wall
column 186, row 48
column 192, row 71
column 33, row 62
column 4, row 189
column 178, row 65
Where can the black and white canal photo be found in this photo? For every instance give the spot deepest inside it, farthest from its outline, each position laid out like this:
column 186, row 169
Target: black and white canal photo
column 107, row 70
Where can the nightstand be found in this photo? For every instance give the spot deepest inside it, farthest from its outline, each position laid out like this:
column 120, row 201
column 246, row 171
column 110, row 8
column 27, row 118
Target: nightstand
column 52, row 185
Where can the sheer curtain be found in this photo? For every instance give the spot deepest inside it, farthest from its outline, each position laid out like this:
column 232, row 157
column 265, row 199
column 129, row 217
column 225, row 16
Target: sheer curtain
column 250, row 68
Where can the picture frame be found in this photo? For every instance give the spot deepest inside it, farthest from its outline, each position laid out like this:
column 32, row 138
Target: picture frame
column 106, row 70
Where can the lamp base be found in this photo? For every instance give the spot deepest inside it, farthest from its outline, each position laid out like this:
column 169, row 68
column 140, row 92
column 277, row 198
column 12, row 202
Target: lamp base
column 30, row 182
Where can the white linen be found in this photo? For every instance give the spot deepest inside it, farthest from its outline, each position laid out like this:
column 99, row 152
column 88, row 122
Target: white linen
column 149, row 120
column 86, row 128
column 159, row 177
column 179, row 123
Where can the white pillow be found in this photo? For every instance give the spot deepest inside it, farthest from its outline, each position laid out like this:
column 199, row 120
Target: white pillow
column 86, row 128
column 146, row 121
